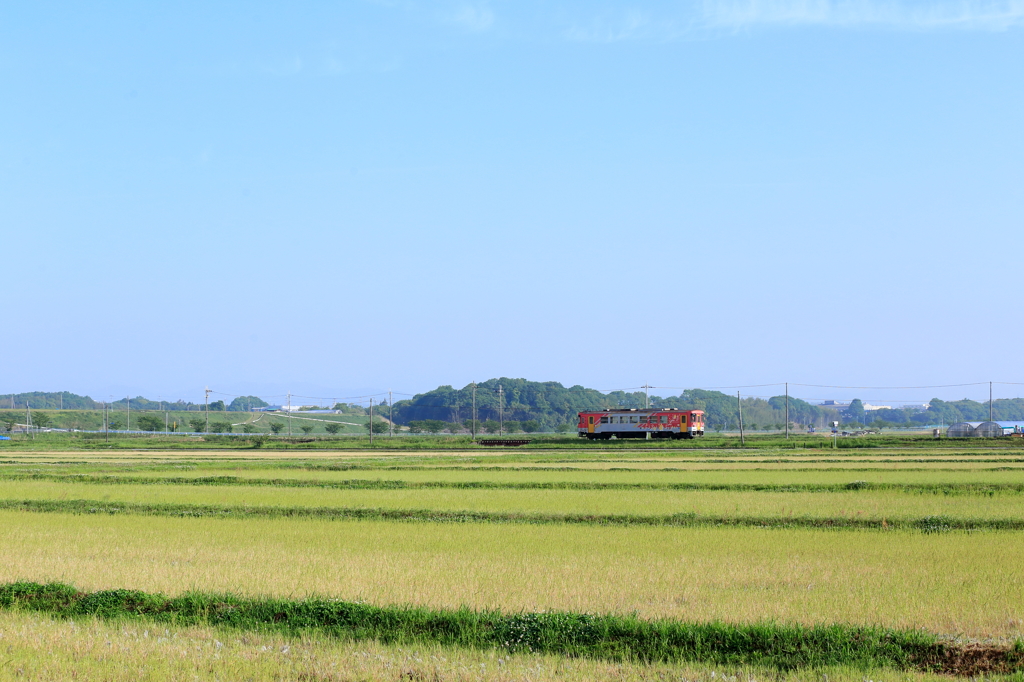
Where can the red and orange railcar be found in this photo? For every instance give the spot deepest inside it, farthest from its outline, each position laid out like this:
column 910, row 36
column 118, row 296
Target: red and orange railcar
column 638, row 423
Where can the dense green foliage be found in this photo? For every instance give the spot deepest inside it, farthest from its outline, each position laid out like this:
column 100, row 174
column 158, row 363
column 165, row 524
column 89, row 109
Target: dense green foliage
column 65, row 400
column 535, row 406
column 549, row 404
column 611, row 637
column 40, row 400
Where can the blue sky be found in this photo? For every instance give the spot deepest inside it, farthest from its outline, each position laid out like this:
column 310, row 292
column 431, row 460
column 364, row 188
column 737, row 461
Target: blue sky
column 342, row 197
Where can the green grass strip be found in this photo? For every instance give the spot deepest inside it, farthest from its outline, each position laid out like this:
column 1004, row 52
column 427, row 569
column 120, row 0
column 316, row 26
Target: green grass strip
column 928, row 524
column 388, row 484
column 611, row 637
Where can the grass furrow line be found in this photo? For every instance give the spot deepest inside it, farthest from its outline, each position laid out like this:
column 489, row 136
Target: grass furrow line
column 610, row 637
column 928, row 524
column 388, row 484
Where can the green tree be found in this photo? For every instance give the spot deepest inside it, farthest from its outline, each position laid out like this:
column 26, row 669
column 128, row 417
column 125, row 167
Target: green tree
column 377, row 425
column 9, row 420
column 220, row 427
column 531, row 425
column 149, row 422
column 307, row 428
column 563, row 427
column 492, row 426
column 855, row 412
column 454, row 427
column 41, row 420
column 115, row 423
column 434, row 426
column 244, row 403
column 276, row 427
column 198, row 424
column 217, row 406
column 512, row 427
column 332, row 428
column 248, row 428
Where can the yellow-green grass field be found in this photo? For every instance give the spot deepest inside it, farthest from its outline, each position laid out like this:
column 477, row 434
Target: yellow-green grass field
column 955, row 583
column 865, row 504
column 37, row 647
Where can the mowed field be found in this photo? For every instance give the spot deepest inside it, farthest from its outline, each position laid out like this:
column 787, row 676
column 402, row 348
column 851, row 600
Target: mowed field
column 173, row 522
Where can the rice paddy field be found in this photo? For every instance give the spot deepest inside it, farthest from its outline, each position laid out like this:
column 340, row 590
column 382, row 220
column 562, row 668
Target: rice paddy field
column 923, row 547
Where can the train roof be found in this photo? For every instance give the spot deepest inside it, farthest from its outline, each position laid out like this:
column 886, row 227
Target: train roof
column 639, row 409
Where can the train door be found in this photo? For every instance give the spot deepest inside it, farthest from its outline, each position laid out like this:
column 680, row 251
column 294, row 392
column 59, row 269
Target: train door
column 590, row 423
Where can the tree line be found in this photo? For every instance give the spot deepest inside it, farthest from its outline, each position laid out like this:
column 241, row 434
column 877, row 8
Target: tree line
column 65, row 400
column 550, row 406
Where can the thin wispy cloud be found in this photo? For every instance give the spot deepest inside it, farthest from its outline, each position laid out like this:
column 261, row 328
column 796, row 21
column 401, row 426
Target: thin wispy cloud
column 619, row 27
column 704, row 17
column 473, row 17
column 959, row 14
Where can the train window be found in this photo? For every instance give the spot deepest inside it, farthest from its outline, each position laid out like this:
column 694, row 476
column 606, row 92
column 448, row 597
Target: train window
column 664, row 419
column 632, row 419
column 643, row 420
column 604, row 420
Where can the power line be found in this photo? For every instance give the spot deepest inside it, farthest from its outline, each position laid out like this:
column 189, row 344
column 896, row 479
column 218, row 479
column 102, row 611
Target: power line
column 894, row 388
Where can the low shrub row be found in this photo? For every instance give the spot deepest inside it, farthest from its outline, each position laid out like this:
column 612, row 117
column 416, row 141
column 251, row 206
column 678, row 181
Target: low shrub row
column 392, row 484
column 783, row 647
column 929, row 524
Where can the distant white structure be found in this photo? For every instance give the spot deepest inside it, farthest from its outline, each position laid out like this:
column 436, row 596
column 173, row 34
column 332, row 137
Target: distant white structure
column 984, row 429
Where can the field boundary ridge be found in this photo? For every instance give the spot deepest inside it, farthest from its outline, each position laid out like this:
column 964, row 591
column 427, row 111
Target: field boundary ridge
column 610, row 637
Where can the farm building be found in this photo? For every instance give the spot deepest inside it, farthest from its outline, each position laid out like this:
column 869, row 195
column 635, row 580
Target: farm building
column 984, row 429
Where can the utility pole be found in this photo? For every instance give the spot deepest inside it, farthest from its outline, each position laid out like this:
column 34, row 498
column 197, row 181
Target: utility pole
column 128, row 418
column 474, row 410
column 165, row 424
column 787, row 410
column 990, row 401
column 739, row 405
column 62, row 397
column 208, row 409
column 289, row 414
column 28, row 420
column 647, row 397
column 106, row 422
column 370, row 423
column 501, row 410
column 391, row 415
